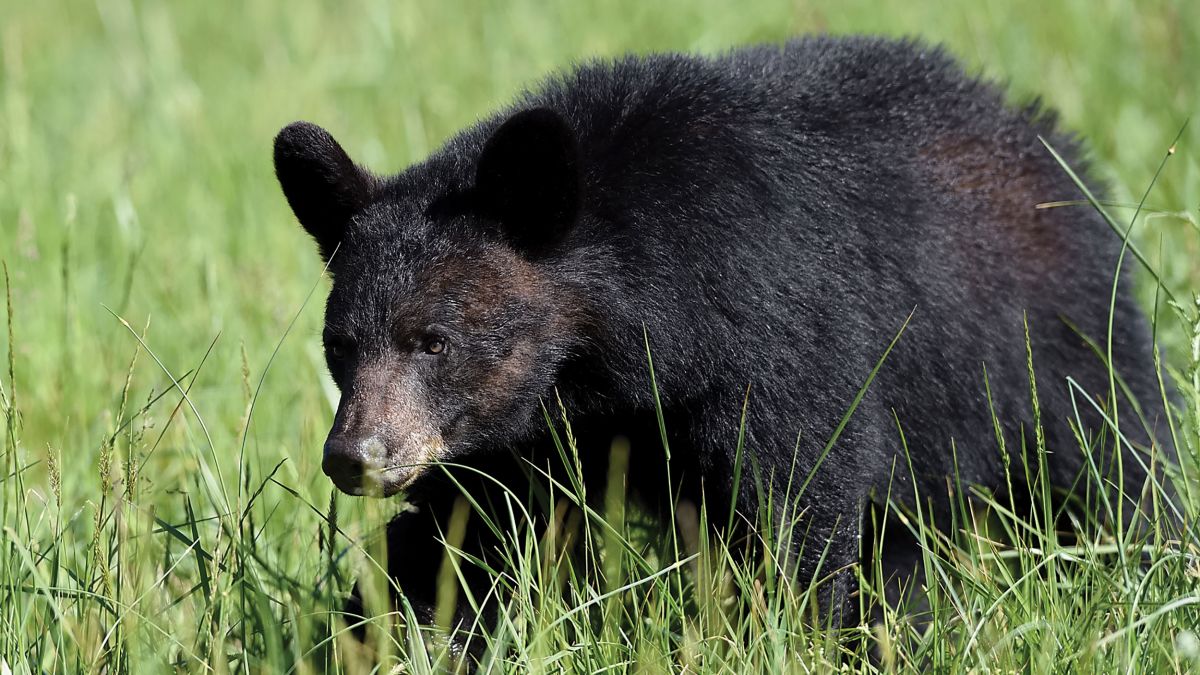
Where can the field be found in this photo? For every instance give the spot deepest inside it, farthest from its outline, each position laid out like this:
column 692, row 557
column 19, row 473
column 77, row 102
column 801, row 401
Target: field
column 164, row 393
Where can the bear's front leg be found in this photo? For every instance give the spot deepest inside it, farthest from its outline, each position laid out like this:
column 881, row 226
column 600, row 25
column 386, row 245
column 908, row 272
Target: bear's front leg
column 418, row 576
column 819, row 543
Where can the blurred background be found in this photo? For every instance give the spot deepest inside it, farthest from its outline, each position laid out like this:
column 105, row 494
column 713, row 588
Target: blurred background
column 136, row 182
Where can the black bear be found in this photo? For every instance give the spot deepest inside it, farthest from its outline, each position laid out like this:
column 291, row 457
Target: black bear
column 764, row 222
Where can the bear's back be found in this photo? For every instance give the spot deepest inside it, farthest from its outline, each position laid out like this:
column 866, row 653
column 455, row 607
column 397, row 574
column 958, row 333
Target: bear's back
column 810, row 196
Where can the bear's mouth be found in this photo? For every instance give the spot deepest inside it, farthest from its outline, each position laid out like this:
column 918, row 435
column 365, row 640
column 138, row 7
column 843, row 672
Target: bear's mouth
column 382, row 482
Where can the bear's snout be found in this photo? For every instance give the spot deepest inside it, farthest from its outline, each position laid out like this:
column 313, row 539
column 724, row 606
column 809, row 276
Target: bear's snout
column 351, row 462
column 361, row 467
column 377, row 466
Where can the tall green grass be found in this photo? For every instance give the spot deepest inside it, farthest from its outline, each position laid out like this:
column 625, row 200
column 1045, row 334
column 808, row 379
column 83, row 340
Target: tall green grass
column 164, row 397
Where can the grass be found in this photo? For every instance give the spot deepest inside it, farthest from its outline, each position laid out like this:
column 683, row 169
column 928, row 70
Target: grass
column 164, row 395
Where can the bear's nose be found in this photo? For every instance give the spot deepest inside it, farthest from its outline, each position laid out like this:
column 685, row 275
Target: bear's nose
column 349, row 461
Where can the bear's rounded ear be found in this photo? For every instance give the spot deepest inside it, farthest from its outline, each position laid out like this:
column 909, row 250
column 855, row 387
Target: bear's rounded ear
column 528, row 177
column 323, row 186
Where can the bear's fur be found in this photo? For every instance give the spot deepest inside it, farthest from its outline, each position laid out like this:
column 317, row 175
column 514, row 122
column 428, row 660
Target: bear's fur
column 766, row 220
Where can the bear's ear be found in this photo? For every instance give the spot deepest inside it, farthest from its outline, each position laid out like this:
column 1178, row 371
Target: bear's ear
column 528, row 177
column 323, row 186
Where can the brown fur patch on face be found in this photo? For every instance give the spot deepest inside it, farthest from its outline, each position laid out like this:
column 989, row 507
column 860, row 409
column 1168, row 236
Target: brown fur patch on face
column 486, row 284
column 503, row 278
column 506, row 377
column 504, row 281
column 512, row 306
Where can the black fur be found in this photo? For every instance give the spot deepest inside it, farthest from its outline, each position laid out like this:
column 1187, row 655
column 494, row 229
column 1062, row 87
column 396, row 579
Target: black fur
column 768, row 219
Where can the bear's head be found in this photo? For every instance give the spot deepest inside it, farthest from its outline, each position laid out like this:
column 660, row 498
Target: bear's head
column 445, row 325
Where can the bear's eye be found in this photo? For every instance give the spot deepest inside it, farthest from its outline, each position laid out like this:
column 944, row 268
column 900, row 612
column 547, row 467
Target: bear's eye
column 434, row 344
column 338, row 348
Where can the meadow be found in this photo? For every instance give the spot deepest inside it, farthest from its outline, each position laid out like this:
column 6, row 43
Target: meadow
column 164, row 394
